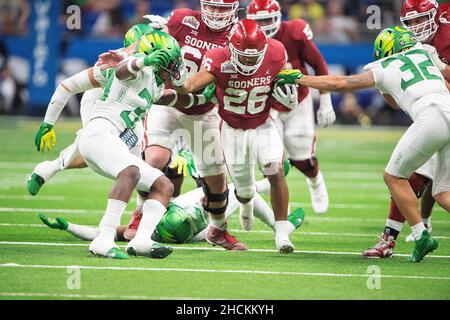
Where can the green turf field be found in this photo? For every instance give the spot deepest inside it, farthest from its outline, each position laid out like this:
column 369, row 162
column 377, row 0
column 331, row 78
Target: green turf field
column 38, row 263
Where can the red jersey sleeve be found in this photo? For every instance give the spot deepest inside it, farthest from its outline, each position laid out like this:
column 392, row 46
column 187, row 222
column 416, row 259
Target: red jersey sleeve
column 174, row 22
column 212, row 61
column 309, row 52
column 278, row 54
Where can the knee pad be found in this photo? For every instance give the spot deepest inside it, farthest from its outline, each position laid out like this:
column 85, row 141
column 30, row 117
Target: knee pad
column 213, row 197
column 241, row 199
column 309, row 167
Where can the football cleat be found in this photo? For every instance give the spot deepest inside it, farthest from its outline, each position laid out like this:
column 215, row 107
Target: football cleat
column 106, row 248
column 58, row 223
column 410, row 238
column 148, row 249
column 384, row 248
column 222, row 238
column 284, row 246
column 423, row 246
column 319, row 193
column 34, row 183
column 131, row 229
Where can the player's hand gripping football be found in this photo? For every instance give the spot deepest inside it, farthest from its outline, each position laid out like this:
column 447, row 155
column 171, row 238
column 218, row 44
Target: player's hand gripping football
column 184, row 162
column 286, row 94
column 288, row 76
column 45, row 137
column 156, row 22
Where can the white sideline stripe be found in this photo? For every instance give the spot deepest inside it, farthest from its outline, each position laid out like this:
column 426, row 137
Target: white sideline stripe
column 31, row 198
column 339, row 234
column 182, row 247
column 95, row 296
column 309, row 218
column 288, row 273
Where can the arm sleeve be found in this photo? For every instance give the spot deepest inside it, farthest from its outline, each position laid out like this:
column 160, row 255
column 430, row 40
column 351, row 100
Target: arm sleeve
column 69, row 87
column 309, row 51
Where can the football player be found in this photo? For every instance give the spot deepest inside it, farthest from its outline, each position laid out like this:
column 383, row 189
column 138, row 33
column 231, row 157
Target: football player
column 108, row 138
column 244, row 73
column 429, row 23
column 90, row 82
column 185, row 219
column 425, row 98
column 297, row 126
column 197, row 32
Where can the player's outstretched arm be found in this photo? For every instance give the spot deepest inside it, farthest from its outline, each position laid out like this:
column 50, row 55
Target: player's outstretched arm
column 199, row 81
column 171, row 98
column 329, row 83
column 46, row 137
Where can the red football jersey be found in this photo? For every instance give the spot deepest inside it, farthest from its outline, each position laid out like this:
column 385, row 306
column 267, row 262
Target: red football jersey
column 195, row 38
column 442, row 37
column 245, row 101
column 296, row 35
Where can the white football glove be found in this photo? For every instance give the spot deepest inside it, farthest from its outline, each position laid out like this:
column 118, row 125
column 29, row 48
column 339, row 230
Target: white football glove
column 156, row 22
column 325, row 114
column 435, row 57
column 180, row 77
column 288, row 99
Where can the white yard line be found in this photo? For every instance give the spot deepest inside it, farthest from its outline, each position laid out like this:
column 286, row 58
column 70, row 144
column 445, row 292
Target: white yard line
column 31, row 198
column 338, row 234
column 183, row 247
column 93, row 296
column 262, row 272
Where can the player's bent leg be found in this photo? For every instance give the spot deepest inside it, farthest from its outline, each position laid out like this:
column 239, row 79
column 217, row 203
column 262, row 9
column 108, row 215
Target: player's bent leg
column 215, row 203
column 246, row 207
column 279, row 196
column 161, row 190
column 316, row 183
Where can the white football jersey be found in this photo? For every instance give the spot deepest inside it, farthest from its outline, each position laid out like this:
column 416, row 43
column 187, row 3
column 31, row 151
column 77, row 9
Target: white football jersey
column 124, row 103
column 409, row 77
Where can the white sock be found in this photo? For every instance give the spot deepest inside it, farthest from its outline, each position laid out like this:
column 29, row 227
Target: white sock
column 417, row 230
column 315, row 179
column 263, row 212
column 218, row 223
column 290, row 228
column 394, row 225
column 246, row 209
column 47, row 169
column 282, row 229
column 263, row 186
column 153, row 212
column 140, row 203
column 83, row 232
column 111, row 219
column 426, row 221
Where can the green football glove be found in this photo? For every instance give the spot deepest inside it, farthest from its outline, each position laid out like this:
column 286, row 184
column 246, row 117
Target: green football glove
column 184, row 162
column 159, row 57
column 45, row 137
column 288, row 76
column 209, row 92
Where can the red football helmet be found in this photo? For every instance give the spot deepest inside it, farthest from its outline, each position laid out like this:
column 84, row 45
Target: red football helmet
column 416, row 9
column 247, row 45
column 219, row 14
column 267, row 13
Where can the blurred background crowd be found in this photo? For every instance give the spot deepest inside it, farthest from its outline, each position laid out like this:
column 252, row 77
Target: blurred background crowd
column 340, row 30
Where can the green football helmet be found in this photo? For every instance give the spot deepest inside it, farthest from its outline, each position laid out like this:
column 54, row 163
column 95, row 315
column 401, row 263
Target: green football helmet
column 135, row 33
column 179, row 225
column 159, row 40
column 393, row 40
